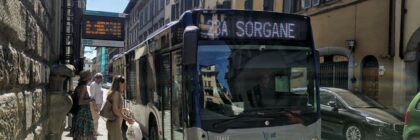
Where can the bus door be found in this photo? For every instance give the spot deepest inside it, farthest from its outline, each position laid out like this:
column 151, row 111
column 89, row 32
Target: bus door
column 170, row 84
column 164, row 92
column 177, row 98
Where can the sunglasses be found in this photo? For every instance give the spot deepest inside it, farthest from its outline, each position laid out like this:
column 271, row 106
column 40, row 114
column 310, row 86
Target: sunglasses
column 121, row 79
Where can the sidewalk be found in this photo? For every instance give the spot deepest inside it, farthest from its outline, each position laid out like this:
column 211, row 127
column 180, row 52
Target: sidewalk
column 101, row 129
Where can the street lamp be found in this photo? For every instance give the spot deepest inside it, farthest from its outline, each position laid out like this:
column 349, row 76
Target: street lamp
column 351, row 44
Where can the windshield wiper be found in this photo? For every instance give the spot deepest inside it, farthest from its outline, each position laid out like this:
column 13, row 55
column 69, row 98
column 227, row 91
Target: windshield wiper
column 275, row 111
column 239, row 117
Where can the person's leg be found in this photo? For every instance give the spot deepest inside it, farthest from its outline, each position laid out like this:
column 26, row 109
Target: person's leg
column 73, row 123
column 114, row 129
column 96, row 118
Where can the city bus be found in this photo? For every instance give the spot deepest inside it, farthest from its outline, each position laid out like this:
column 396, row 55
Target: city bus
column 226, row 75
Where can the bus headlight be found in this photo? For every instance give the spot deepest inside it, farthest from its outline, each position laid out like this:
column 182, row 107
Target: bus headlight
column 375, row 122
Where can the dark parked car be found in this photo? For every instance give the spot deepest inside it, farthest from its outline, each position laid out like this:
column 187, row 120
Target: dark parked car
column 353, row 116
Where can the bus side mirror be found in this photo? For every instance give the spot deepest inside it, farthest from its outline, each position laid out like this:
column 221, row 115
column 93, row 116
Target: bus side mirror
column 317, row 62
column 190, row 45
column 317, row 56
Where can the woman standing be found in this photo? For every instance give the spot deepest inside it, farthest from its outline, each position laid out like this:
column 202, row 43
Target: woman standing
column 83, row 126
column 115, row 96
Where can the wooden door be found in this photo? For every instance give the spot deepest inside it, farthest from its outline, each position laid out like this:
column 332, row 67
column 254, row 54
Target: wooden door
column 370, row 77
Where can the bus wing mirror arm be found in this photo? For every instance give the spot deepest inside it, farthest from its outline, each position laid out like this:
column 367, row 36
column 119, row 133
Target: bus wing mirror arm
column 190, row 45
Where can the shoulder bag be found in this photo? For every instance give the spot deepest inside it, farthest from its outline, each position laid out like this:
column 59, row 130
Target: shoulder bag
column 106, row 111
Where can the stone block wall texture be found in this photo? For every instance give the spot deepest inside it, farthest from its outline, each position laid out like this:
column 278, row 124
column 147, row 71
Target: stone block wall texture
column 25, row 44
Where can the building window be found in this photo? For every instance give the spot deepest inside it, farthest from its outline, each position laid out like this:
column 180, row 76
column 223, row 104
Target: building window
column 188, row 5
column 306, row 4
column 161, row 22
column 156, row 6
column 292, row 6
column 268, row 5
column 248, row 4
column 315, row 2
column 151, row 10
column 224, row 5
column 144, row 17
column 196, row 3
column 147, row 14
column 174, row 12
column 141, row 18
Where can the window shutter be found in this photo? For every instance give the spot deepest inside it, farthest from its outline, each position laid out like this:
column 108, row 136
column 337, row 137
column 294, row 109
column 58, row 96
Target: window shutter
column 315, row 2
column 287, row 7
column 306, row 4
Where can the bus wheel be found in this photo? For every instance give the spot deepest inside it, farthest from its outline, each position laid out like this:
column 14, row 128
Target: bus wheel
column 354, row 132
column 153, row 133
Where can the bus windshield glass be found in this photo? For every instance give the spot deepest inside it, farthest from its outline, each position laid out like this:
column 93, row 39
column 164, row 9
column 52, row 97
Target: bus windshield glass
column 243, row 85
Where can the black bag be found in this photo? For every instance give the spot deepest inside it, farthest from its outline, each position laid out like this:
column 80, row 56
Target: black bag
column 75, row 108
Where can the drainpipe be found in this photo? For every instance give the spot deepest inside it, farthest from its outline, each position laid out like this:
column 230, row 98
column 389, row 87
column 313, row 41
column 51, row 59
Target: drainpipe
column 391, row 35
column 401, row 45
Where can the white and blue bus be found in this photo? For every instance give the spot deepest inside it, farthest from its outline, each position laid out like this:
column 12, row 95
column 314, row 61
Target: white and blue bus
column 226, row 75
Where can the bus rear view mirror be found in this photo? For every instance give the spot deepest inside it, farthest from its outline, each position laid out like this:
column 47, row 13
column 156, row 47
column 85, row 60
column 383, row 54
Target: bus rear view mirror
column 317, row 62
column 190, row 45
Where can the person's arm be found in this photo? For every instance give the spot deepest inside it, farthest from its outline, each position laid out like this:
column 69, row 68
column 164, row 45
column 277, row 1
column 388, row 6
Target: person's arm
column 94, row 93
column 92, row 89
column 83, row 92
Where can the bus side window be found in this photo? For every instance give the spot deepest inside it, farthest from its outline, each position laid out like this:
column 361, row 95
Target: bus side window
column 163, row 79
column 143, row 80
column 131, row 75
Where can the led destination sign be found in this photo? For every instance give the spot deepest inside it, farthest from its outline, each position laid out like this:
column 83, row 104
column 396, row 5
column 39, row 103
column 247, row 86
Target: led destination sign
column 221, row 26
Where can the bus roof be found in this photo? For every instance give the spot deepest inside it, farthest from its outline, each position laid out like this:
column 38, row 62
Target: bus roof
column 240, row 11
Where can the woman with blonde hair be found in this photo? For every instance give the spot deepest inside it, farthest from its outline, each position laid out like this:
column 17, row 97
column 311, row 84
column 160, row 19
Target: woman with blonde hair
column 115, row 97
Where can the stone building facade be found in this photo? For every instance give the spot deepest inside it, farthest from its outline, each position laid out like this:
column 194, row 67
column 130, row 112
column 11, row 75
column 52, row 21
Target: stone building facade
column 407, row 45
column 32, row 98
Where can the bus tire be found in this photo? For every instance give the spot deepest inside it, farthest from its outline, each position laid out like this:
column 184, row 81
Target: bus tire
column 153, row 131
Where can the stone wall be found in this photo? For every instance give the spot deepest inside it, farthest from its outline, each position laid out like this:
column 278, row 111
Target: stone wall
column 25, row 44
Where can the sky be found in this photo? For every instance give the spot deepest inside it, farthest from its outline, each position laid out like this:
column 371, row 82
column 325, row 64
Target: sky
column 116, row 6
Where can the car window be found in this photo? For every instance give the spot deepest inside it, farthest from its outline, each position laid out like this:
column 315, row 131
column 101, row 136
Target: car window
column 326, row 97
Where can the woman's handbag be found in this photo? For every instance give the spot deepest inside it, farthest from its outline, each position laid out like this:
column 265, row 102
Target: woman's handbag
column 106, row 111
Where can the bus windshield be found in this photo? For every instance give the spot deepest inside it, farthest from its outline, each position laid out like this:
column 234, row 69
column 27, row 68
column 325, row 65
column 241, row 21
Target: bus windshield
column 241, row 83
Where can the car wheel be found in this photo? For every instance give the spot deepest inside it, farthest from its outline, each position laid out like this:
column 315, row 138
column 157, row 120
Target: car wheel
column 153, row 134
column 354, row 132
